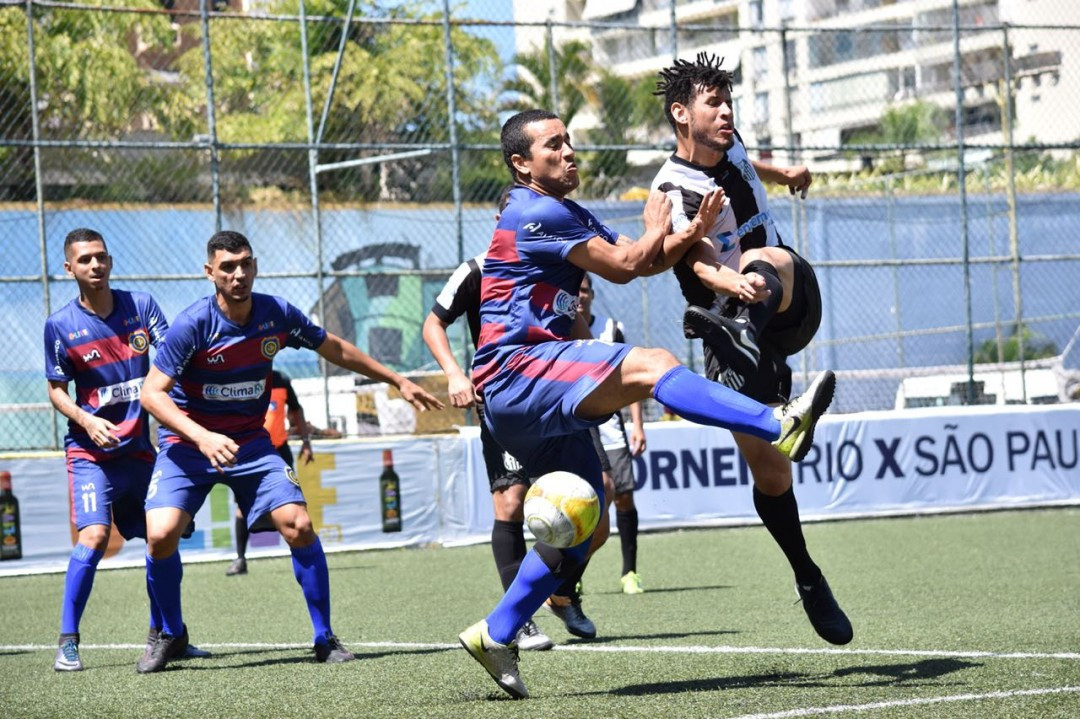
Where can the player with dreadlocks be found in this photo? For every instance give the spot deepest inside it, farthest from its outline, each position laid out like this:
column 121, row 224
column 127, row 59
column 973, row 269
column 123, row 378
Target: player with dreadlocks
column 752, row 300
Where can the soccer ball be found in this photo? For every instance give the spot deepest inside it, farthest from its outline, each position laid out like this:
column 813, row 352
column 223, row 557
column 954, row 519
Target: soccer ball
column 561, row 509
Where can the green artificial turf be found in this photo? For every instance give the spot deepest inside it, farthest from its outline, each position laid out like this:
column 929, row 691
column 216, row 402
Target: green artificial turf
column 937, row 603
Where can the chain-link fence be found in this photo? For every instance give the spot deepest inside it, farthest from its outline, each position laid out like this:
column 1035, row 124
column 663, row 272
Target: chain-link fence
column 356, row 145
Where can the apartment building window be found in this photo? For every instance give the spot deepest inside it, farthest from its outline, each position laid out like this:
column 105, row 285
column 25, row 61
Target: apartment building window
column 761, row 107
column 787, row 10
column 761, row 63
column 756, row 15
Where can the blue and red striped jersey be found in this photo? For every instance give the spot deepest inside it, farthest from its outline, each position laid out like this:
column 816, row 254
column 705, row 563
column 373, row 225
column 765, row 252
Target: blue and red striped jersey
column 107, row 358
column 222, row 370
column 529, row 291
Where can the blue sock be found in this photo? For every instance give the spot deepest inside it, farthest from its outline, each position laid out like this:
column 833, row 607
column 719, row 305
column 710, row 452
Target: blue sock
column 533, row 584
column 155, row 610
column 699, row 400
column 163, row 577
column 309, row 568
column 78, row 582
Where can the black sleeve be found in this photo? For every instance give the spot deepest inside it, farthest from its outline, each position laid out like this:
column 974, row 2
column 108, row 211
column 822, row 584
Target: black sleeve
column 461, row 293
column 280, row 379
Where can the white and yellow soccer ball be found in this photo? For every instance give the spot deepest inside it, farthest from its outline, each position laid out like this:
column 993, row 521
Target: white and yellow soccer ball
column 561, row 509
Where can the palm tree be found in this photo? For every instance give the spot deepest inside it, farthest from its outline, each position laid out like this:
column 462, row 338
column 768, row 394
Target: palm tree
column 532, row 85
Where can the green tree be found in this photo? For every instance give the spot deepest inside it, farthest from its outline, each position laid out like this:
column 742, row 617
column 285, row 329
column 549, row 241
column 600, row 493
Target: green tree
column 90, row 81
column 1035, row 347
column 391, row 88
column 531, row 85
column 910, row 124
column 623, row 106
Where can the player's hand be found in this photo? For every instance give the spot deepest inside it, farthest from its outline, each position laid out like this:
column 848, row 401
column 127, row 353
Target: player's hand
column 219, row 449
column 102, row 431
column 418, row 397
column 749, row 288
column 637, row 441
column 306, row 455
column 798, row 179
column 657, row 214
column 461, row 391
column 711, row 205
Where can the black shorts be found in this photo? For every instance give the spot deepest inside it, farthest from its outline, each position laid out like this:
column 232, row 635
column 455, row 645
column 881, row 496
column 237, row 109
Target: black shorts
column 502, row 469
column 598, row 445
column 785, row 335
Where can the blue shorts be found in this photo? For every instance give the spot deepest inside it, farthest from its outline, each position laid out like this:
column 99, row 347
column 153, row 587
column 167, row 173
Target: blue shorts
column 110, row 491
column 260, row 479
column 530, row 403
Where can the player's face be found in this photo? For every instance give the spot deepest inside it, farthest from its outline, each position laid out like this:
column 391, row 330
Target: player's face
column 89, row 263
column 712, row 120
column 585, row 298
column 233, row 274
column 550, row 167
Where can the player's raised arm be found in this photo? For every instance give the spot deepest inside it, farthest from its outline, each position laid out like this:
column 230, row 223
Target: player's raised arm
column 679, row 243
column 219, row 449
column 345, row 354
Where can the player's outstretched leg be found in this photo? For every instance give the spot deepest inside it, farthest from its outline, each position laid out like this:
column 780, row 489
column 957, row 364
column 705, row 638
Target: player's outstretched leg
column 799, row 417
column 499, row 660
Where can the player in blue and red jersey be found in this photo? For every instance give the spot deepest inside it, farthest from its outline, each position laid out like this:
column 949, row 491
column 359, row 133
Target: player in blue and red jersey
column 101, row 341
column 544, row 384
column 210, row 389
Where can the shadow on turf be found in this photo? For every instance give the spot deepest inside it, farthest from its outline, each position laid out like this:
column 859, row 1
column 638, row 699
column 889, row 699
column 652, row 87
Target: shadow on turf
column 893, row 675
column 659, row 590
column 608, row 638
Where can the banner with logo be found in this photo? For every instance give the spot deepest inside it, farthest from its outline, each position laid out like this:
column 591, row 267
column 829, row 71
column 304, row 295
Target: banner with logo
column 867, row 464
column 872, row 463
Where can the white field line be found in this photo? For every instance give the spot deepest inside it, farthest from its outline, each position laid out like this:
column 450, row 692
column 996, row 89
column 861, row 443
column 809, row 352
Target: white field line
column 845, row 708
column 605, row 649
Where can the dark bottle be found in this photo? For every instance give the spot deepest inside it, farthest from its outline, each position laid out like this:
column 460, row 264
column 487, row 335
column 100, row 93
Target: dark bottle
column 10, row 530
column 390, row 494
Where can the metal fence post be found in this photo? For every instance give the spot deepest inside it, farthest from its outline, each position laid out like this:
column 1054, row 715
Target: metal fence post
column 553, row 80
column 1010, row 195
column 313, row 182
column 215, row 177
column 961, row 175
column 39, row 190
column 674, row 31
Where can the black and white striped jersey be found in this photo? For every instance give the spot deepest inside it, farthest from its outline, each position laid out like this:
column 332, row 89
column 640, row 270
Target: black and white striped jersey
column 743, row 223
column 461, row 295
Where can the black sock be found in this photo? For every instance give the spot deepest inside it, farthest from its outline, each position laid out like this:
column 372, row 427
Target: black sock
column 241, row 537
column 781, row 518
column 569, row 585
column 627, row 523
column 759, row 313
column 508, row 546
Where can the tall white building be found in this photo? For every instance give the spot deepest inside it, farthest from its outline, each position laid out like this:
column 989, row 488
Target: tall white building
column 847, row 60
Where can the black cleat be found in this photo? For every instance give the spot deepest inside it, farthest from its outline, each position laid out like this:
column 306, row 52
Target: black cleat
column 825, row 615
column 573, row 617
column 332, row 652
column 238, row 566
column 733, row 340
column 157, row 655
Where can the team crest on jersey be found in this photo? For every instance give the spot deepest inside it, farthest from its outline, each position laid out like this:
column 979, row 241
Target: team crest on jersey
column 139, row 341
column 565, row 304
column 270, row 347
column 291, row 474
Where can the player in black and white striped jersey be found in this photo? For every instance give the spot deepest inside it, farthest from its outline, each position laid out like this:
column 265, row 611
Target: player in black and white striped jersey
column 752, row 300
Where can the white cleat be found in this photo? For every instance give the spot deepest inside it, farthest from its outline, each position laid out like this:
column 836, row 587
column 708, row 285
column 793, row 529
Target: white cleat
column 529, row 638
column 500, row 660
column 799, row 417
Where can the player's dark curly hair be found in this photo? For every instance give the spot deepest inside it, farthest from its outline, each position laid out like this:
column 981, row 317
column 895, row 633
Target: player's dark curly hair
column 683, row 81
column 514, row 139
column 227, row 241
column 83, row 234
